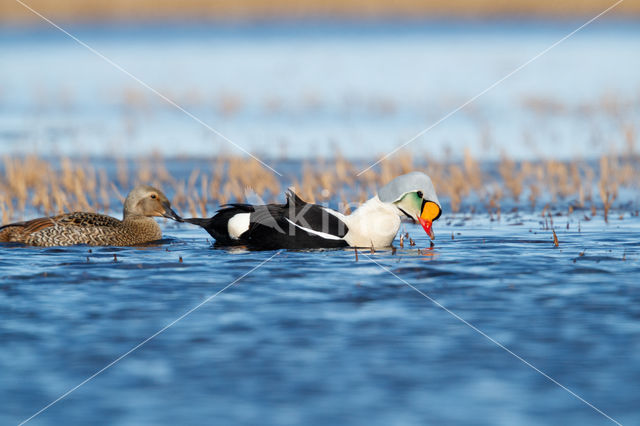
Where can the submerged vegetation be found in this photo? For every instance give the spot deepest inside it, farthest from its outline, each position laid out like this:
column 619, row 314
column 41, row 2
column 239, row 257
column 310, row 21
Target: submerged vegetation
column 35, row 185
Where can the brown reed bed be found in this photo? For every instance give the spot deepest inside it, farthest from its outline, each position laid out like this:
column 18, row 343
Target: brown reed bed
column 33, row 185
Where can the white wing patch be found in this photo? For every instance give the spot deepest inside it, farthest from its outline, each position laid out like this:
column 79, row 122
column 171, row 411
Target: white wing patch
column 238, row 225
column 318, row 233
column 335, row 213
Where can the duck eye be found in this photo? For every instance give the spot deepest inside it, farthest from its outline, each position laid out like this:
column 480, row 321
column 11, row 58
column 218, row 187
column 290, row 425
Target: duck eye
column 154, row 196
column 420, row 194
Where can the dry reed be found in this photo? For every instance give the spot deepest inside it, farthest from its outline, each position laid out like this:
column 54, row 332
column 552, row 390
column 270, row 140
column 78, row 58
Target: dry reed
column 33, row 185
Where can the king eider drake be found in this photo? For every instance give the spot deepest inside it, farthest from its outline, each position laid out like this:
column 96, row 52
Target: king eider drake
column 300, row 225
column 136, row 227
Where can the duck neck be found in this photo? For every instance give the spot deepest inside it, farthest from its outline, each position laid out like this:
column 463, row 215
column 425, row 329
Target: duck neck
column 137, row 218
column 143, row 225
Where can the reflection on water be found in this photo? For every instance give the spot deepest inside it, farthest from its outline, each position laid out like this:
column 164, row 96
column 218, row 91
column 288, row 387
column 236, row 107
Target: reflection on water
column 316, row 337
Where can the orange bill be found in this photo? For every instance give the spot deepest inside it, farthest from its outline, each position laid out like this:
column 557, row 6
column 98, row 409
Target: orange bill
column 430, row 212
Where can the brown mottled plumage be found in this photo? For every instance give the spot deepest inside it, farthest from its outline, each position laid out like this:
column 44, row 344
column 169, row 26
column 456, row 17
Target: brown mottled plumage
column 136, row 227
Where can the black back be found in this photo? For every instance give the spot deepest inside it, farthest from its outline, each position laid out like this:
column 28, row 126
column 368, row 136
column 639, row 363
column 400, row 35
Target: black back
column 273, row 226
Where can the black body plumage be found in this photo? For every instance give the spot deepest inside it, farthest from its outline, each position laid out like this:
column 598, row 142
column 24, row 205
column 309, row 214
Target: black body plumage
column 293, row 225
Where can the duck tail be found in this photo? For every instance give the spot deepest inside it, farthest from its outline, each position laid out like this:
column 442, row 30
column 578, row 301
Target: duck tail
column 8, row 233
column 217, row 226
column 212, row 225
column 203, row 222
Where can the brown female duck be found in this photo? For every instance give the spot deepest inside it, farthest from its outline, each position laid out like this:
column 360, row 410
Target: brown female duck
column 136, row 227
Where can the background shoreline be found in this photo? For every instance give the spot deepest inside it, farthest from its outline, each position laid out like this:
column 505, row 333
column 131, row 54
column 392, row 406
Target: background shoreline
column 100, row 10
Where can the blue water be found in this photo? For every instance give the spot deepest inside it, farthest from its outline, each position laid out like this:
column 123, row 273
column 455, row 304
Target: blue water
column 318, row 337
column 303, row 90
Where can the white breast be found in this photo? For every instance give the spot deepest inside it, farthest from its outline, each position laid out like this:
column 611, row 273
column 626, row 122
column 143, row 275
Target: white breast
column 373, row 224
column 238, row 225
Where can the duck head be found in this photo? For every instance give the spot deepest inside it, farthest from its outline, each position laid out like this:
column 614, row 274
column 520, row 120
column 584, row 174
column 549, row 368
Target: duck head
column 144, row 200
column 413, row 195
